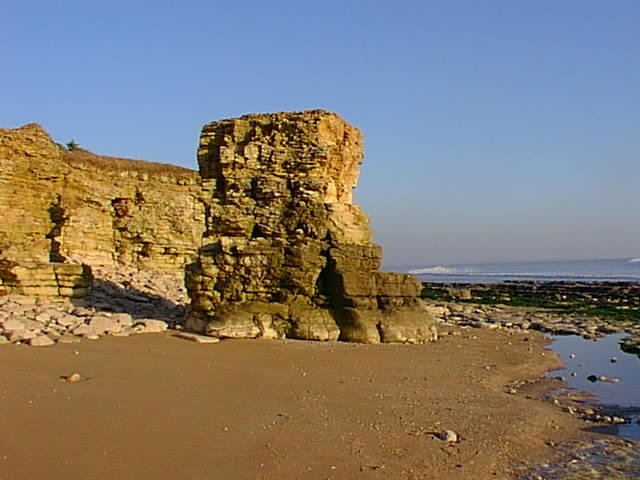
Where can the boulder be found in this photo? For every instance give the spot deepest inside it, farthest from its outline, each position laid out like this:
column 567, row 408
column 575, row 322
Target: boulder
column 104, row 324
column 23, row 335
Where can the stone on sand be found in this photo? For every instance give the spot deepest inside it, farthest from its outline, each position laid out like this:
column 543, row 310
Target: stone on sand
column 41, row 341
column 194, row 337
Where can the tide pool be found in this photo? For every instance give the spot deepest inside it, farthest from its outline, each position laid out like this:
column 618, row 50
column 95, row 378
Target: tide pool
column 603, row 358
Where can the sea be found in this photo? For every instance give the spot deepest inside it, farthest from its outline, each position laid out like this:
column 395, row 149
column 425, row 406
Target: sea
column 609, row 270
column 582, row 357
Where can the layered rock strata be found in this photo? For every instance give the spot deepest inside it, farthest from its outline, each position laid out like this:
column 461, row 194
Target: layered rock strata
column 279, row 248
column 31, row 171
column 285, row 251
column 45, row 279
column 72, row 206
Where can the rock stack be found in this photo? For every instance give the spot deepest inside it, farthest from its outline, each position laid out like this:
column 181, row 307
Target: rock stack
column 285, row 252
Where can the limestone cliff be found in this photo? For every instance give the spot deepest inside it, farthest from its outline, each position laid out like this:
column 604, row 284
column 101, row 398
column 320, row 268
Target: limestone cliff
column 272, row 244
column 285, row 252
column 144, row 215
column 60, row 206
column 31, row 175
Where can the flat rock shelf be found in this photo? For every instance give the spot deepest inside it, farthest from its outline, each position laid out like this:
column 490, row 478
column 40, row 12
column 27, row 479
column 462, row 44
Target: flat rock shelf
column 595, row 330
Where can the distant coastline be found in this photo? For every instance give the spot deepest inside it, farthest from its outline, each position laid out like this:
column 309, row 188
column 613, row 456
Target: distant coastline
column 600, row 270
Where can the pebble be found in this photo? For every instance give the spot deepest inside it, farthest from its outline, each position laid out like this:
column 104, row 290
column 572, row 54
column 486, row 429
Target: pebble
column 194, row 337
column 602, row 378
column 104, row 324
column 73, row 378
column 121, row 333
column 22, row 335
column 151, row 326
column 41, row 341
column 448, row 436
column 68, row 320
column 68, row 339
column 12, row 325
column 84, row 329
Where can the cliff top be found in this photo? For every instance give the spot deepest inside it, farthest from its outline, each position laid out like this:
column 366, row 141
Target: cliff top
column 33, row 141
column 106, row 162
column 315, row 113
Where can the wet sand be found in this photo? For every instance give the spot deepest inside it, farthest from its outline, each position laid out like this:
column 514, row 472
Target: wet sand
column 158, row 407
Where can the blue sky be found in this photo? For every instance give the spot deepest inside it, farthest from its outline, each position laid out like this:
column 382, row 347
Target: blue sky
column 495, row 130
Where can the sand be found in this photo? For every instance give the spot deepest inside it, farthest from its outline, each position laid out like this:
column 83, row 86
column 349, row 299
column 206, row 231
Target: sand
column 158, row 407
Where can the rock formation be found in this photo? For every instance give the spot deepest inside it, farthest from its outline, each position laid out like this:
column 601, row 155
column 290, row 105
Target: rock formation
column 285, row 252
column 31, row 172
column 76, row 207
column 273, row 245
column 45, row 279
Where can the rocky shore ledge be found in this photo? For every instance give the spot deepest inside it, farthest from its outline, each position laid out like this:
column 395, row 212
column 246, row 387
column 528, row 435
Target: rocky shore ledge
column 589, row 309
column 122, row 302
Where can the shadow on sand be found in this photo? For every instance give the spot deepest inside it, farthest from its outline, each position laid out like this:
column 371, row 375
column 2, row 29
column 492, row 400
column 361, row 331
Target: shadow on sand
column 113, row 297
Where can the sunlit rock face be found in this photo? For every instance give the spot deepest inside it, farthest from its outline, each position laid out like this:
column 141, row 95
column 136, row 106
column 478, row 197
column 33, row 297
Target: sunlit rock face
column 285, row 252
column 61, row 207
column 73, row 206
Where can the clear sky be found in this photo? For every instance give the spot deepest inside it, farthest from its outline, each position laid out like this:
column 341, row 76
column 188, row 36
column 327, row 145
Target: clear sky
column 495, row 130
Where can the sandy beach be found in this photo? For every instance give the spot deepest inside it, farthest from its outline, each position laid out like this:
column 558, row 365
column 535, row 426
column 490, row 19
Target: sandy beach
column 158, row 407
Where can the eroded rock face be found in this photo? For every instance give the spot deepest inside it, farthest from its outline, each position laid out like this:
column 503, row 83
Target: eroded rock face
column 63, row 207
column 45, row 279
column 285, row 252
column 31, row 174
column 273, row 243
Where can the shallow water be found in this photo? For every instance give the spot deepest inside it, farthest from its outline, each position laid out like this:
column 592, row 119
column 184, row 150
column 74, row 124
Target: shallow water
column 602, row 459
column 609, row 458
column 587, row 357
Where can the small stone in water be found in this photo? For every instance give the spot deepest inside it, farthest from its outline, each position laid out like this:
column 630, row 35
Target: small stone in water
column 572, row 355
column 613, row 359
column 592, row 378
column 609, row 380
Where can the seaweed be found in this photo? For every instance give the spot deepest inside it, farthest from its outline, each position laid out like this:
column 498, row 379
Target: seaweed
column 619, row 301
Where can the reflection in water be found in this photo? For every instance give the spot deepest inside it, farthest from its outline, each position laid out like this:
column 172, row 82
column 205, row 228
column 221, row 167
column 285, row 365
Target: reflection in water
column 603, row 358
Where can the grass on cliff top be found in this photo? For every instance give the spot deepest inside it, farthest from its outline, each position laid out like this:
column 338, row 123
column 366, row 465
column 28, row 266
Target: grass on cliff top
column 115, row 163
